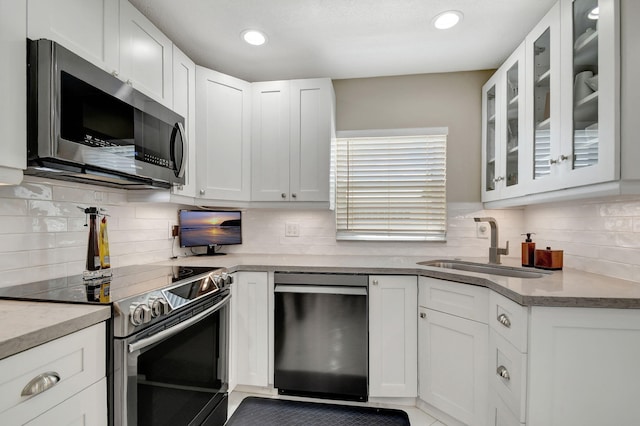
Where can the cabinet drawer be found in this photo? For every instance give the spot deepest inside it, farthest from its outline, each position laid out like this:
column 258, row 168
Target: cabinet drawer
column 87, row 408
column 77, row 359
column 462, row 300
column 507, row 372
column 508, row 319
column 499, row 413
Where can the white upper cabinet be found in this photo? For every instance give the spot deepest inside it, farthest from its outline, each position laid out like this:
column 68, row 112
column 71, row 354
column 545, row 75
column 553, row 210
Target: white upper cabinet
column 291, row 140
column 270, row 140
column 88, row 28
column 312, row 126
column 184, row 103
column 505, row 146
column 571, row 97
column 223, row 136
column 13, row 84
column 145, row 55
column 590, row 148
column 543, row 95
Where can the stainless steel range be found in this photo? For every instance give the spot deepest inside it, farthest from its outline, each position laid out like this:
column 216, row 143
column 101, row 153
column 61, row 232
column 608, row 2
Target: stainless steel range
column 168, row 360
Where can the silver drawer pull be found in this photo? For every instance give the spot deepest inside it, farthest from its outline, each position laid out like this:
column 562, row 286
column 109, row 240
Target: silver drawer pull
column 41, row 383
column 503, row 372
column 504, row 320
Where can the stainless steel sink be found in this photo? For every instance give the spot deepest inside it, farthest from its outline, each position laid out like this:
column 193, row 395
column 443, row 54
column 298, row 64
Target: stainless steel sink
column 485, row 268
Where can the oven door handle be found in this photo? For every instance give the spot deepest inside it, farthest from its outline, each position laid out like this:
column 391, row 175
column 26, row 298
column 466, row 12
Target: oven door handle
column 141, row 344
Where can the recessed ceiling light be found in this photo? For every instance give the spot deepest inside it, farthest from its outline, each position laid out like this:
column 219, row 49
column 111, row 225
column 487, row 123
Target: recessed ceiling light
column 448, row 19
column 254, row 37
column 594, row 13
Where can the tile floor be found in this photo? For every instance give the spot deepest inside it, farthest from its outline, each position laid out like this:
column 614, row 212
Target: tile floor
column 416, row 417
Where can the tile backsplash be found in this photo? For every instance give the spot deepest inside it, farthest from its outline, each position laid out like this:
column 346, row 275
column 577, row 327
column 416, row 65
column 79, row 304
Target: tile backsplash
column 600, row 236
column 42, row 232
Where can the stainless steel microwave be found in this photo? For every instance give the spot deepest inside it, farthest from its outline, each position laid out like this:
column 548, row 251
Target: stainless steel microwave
column 85, row 125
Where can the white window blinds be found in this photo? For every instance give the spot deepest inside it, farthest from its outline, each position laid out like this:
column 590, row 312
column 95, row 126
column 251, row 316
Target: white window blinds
column 391, row 187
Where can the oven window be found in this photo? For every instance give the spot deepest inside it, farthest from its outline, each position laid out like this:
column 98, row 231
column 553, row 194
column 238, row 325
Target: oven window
column 179, row 377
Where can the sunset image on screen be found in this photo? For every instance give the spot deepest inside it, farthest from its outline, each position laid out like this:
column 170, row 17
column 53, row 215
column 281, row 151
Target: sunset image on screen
column 207, row 228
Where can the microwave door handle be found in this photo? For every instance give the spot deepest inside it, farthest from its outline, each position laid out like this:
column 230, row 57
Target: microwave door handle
column 164, row 334
column 179, row 129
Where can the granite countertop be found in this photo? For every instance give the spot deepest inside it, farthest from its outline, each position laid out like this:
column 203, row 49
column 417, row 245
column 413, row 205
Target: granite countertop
column 569, row 287
column 29, row 324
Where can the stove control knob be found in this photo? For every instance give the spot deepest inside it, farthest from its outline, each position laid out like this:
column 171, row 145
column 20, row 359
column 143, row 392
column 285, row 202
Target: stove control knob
column 139, row 314
column 217, row 280
column 158, row 306
column 226, row 279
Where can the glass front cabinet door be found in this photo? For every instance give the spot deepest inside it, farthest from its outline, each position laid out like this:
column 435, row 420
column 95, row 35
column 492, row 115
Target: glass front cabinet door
column 543, row 98
column 589, row 149
column 503, row 129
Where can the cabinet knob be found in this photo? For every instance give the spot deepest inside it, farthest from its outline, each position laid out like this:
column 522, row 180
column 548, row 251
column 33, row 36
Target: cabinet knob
column 375, row 282
column 504, row 320
column 563, row 158
column 503, row 372
column 129, row 82
column 294, row 195
column 202, row 192
column 423, row 315
column 498, row 179
column 115, row 73
column 283, row 195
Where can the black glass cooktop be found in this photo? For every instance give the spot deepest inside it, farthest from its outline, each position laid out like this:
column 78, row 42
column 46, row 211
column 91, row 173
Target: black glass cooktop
column 124, row 282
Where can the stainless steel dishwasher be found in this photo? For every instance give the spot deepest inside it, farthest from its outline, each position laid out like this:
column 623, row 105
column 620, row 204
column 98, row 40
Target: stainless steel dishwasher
column 321, row 335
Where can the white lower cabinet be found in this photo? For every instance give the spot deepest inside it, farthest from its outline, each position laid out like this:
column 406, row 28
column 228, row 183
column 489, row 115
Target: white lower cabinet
column 583, row 367
column 392, row 336
column 79, row 396
column 250, row 329
column 453, row 349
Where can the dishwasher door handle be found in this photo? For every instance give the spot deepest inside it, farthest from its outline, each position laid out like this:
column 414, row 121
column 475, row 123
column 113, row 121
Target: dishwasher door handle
column 312, row 289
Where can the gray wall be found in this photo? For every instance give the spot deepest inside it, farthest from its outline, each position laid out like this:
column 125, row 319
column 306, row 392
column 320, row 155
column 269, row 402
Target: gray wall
column 453, row 100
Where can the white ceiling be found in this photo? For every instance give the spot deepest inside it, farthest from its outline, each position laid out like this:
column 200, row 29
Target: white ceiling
column 343, row 38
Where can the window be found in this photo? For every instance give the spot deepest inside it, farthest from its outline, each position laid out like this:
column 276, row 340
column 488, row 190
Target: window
column 390, row 185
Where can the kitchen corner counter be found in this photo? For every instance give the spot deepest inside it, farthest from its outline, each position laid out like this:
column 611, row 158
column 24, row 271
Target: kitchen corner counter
column 28, row 324
column 568, row 288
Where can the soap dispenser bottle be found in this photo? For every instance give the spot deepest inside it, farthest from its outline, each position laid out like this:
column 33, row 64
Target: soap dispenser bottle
column 528, row 251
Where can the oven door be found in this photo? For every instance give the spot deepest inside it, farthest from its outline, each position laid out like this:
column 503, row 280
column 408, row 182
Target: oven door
column 179, row 375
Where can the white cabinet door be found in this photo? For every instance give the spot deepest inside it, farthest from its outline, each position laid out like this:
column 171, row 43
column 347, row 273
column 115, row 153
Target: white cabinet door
column 583, row 367
column 13, row 86
column 590, row 147
column 184, row 103
column 311, row 132
column 88, row 28
column 270, row 138
column 251, row 328
column 145, row 55
column 393, row 336
column 505, row 153
column 543, row 97
column 223, row 136
column 292, row 128
column 453, row 365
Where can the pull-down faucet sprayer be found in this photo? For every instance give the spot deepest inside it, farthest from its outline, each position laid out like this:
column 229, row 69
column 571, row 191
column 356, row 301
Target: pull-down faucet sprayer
column 494, row 250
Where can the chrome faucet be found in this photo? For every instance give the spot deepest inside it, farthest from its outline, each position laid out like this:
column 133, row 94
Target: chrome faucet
column 494, row 250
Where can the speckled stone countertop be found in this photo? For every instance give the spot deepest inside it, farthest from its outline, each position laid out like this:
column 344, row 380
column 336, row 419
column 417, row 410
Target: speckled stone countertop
column 25, row 325
column 569, row 287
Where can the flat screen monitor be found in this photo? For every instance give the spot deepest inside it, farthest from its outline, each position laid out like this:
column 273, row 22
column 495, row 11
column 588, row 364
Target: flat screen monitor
column 210, row 228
